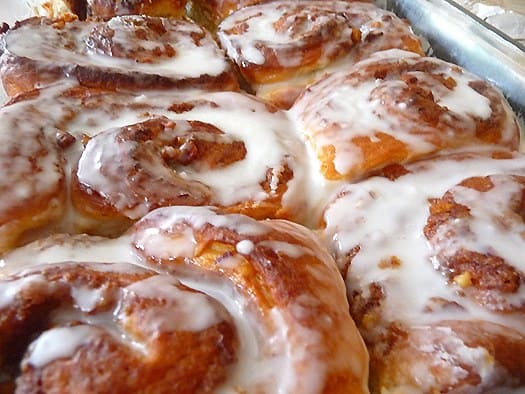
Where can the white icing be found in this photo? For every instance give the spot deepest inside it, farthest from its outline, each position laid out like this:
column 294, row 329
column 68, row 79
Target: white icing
column 267, row 140
column 256, row 366
column 72, row 46
column 58, row 343
column 28, row 156
column 182, row 310
column 266, row 361
column 341, row 108
column 260, row 28
column 87, row 298
column 279, row 348
column 197, row 217
column 14, row 10
column 28, row 130
column 289, row 249
column 280, row 345
column 386, row 219
column 486, row 235
column 231, row 262
column 78, row 248
column 245, row 246
column 253, row 55
column 452, row 354
column 268, row 144
column 315, row 186
column 107, row 166
column 284, row 28
column 465, row 100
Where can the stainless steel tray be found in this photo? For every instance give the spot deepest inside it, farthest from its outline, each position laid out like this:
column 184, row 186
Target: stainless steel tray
column 460, row 37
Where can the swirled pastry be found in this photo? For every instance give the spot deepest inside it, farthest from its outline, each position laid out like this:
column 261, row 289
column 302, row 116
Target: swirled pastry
column 396, row 108
column 189, row 300
column 153, row 332
column 281, row 46
column 432, row 256
column 127, row 52
column 224, row 149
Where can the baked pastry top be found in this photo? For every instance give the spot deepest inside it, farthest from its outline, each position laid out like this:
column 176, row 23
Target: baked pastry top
column 253, row 197
column 125, row 52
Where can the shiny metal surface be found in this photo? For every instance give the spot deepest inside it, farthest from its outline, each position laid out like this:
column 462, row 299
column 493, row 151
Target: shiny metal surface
column 505, row 15
column 460, row 37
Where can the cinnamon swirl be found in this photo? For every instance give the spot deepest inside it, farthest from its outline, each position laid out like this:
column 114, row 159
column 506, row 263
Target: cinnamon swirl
column 431, row 255
column 271, row 310
column 395, row 108
column 126, row 53
column 224, row 149
column 281, row 46
column 94, row 327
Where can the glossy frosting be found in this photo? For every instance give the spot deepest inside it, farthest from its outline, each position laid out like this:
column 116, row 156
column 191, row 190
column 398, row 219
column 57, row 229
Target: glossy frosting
column 289, row 334
column 412, row 260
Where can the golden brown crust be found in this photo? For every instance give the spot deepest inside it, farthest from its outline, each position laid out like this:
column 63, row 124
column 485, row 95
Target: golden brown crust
column 278, row 268
column 110, row 8
column 40, row 138
column 211, row 13
column 194, row 156
column 33, row 185
column 151, row 150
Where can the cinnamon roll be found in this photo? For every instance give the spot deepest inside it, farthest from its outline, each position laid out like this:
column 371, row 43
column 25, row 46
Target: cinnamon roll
column 396, row 108
column 126, row 53
column 431, row 255
column 281, row 46
column 224, row 149
column 189, row 300
column 93, row 327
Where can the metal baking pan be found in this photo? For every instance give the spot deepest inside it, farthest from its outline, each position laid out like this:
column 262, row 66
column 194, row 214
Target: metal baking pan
column 460, row 37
